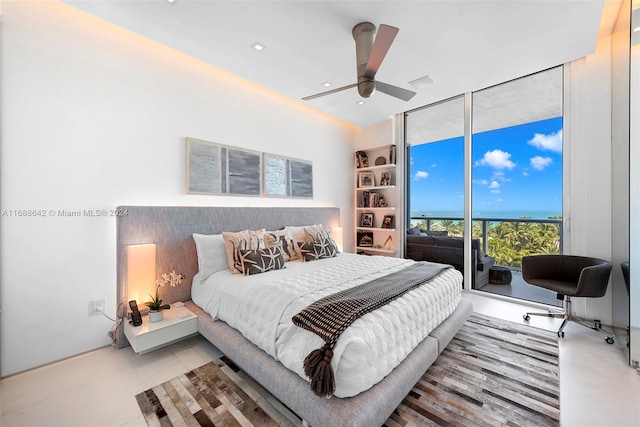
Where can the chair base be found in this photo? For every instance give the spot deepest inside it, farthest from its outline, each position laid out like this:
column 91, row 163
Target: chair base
column 566, row 316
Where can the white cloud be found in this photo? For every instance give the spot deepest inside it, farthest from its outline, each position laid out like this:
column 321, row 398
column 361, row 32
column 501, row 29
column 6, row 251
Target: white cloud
column 420, row 175
column 496, row 159
column 481, row 182
column 551, row 142
column 539, row 162
column 494, row 184
column 434, row 165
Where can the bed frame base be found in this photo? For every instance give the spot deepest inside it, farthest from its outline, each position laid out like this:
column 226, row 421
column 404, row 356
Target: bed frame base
column 370, row 408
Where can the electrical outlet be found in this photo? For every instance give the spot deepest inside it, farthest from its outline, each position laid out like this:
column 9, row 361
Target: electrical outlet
column 98, row 305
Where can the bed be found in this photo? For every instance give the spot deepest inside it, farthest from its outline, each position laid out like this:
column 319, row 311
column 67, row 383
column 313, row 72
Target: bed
column 171, row 228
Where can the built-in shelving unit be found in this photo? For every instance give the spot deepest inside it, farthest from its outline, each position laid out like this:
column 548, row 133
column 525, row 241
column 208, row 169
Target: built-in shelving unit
column 376, row 200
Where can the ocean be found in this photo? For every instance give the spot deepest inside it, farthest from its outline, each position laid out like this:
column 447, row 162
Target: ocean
column 542, row 214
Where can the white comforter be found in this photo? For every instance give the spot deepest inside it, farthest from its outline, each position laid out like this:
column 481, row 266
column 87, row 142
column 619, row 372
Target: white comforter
column 261, row 307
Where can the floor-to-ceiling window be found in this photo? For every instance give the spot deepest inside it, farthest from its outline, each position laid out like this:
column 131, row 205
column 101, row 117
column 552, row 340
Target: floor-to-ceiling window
column 435, row 181
column 516, row 168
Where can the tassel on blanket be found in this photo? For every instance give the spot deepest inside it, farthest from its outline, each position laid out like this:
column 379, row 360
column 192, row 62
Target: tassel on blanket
column 317, row 366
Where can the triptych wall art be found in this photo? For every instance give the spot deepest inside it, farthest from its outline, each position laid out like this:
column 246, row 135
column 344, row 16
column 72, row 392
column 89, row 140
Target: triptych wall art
column 223, row 170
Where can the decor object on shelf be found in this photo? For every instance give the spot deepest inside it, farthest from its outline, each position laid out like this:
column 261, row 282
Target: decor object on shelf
column 155, row 305
column 366, row 220
column 366, row 179
column 362, row 159
column 141, row 270
column 380, row 160
column 388, row 221
column 389, row 244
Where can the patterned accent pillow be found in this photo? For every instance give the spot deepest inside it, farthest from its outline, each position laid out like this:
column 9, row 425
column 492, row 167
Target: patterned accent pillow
column 256, row 261
column 311, row 233
column 242, row 240
column 312, row 251
column 284, row 240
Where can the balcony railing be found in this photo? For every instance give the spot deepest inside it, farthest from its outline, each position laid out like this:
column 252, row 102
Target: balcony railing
column 521, row 236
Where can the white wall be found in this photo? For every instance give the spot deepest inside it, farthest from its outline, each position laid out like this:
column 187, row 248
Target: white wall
column 94, row 117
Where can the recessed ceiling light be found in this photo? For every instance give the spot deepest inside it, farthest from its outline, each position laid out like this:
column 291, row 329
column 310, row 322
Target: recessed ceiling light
column 258, row 46
column 326, row 84
column 172, row 1
column 360, row 102
column 422, row 82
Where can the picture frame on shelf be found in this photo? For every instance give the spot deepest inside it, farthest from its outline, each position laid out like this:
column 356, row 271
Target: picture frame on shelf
column 389, row 221
column 366, row 179
column 366, row 220
column 365, row 239
column 385, row 178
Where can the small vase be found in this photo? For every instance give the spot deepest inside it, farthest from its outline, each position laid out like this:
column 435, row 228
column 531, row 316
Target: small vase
column 156, row 315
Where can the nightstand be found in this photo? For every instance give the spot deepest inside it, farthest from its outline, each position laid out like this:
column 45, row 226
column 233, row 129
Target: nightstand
column 178, row 323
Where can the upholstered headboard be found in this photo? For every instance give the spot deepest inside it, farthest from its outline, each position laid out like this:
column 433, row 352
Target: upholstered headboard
column 171, row 229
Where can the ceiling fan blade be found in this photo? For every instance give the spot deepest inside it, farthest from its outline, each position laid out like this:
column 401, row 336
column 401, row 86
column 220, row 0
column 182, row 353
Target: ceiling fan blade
column 395, row 91
column 329, row 92
column 384, row 38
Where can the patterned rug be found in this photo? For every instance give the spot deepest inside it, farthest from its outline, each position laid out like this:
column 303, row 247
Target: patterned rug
column 493, row 372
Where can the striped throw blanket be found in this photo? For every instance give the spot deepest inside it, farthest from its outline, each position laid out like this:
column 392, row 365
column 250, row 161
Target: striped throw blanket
column 330, row 316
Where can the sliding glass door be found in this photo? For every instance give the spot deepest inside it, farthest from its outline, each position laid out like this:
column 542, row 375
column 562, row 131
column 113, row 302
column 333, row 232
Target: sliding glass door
column 516, row 177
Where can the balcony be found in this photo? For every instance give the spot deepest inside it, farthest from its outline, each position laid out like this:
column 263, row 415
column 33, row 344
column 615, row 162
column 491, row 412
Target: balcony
column 507, row 240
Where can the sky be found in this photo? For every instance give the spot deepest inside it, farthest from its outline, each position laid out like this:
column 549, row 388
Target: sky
column 517, row 168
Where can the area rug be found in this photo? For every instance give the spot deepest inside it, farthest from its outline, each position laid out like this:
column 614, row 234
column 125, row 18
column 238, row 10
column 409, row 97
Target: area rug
column 493, row 372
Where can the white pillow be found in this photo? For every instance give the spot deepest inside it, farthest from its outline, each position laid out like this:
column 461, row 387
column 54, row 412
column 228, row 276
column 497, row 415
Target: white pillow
column 212, row 254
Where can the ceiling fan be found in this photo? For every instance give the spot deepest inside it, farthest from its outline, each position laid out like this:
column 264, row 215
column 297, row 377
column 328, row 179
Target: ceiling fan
column 369, row 56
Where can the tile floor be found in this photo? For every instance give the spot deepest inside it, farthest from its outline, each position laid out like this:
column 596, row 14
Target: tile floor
column 98, row 388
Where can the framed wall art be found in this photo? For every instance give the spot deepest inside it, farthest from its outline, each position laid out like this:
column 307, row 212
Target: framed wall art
column 213, row 168
column 287, row 177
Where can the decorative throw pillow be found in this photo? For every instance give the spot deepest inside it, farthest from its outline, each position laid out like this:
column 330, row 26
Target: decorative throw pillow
column 242, row 240
column 312, row 251
column 318, row 234
column 284, row 240
column 413, row 231
column 256, row 261
column 299, row 234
